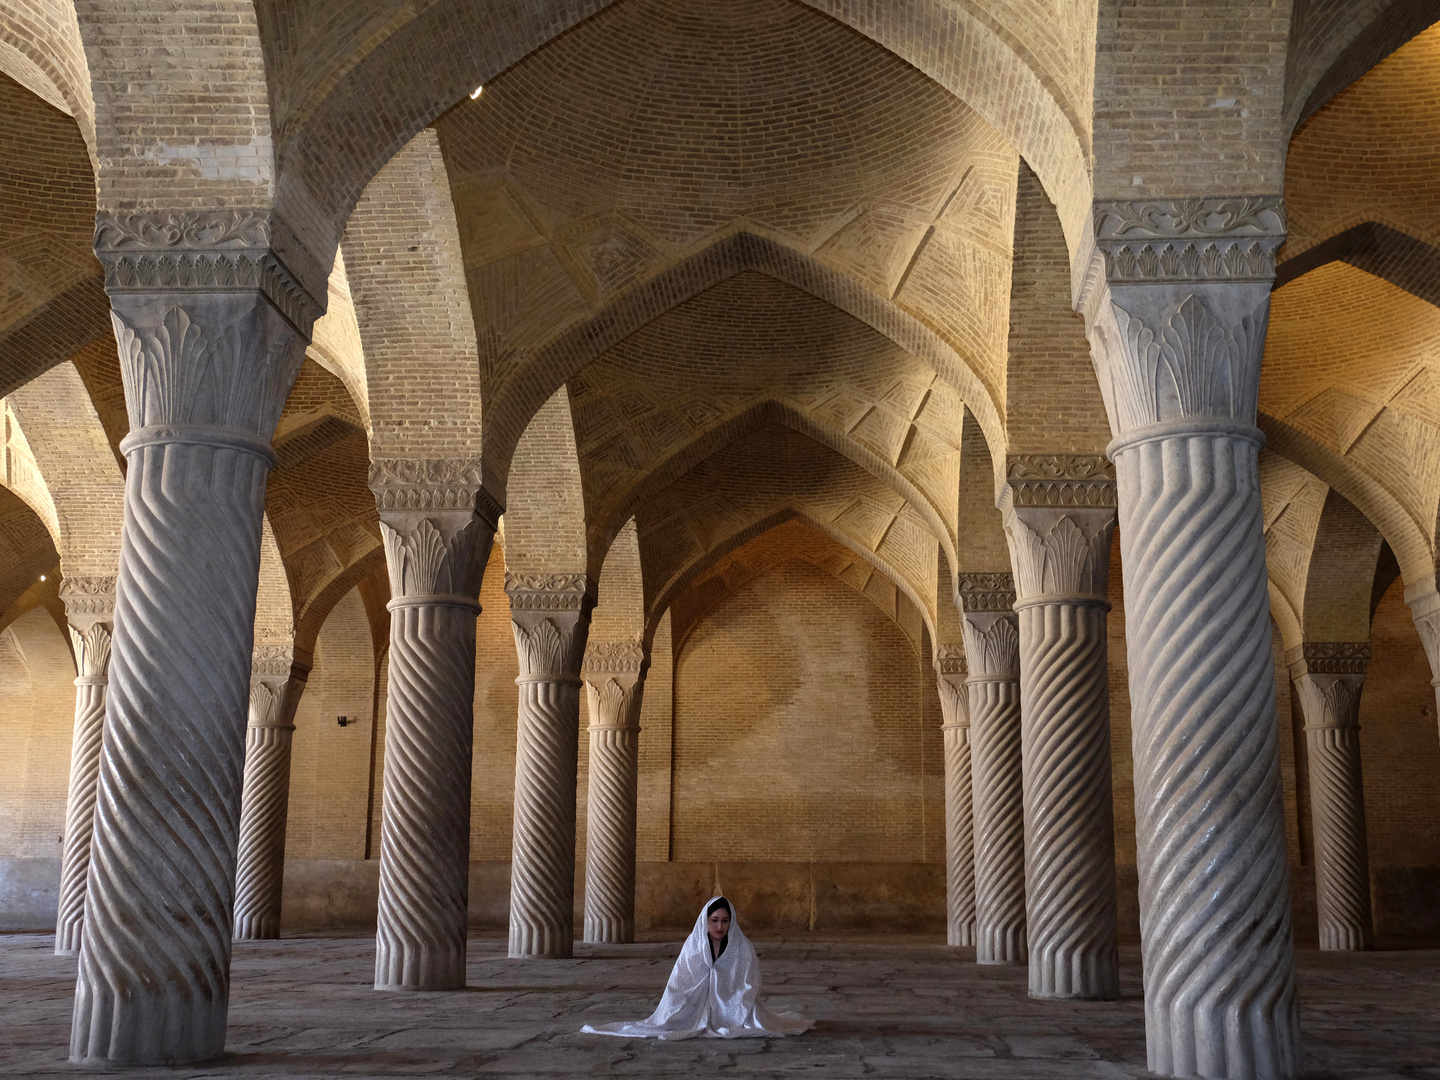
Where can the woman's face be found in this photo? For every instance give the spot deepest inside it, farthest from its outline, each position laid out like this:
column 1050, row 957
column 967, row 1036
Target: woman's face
column 718, row 924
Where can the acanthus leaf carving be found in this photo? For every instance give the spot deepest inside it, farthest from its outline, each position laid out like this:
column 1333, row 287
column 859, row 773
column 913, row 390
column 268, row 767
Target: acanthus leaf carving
column 546, row 650
column 1062, row 554
column 422, row 563
column 92, row 650
column 992, row 645
column 1183, row 361
column 220, row 366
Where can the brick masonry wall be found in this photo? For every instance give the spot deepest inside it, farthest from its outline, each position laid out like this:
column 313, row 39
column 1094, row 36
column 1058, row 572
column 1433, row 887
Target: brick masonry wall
column 329, row 763
column 37, row 711
column 800, row 731
column 1400, row 752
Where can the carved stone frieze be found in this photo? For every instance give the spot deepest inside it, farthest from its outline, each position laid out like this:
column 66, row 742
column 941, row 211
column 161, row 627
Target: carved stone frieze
column 1230, row 238
column 549, row 592
column 1060, row 480
column 614, row 657
column 423, row 484
column 985, row 591
column 1328, row 658
column 88, row 599
column 212, row 251
column 950, row 659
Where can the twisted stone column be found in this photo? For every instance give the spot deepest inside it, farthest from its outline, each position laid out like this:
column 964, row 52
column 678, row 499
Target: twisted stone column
column 1329, row 676
column 950, row 674
column 614, row 683
column 992, row 650
column 1178, row 333
column 1059, row 516
column 276, row 683
column 550, row 614
column 211, row 327
column 90, row 609
column 436, row 557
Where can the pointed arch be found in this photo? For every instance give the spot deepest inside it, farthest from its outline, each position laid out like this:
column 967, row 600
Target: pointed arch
column 716, row 439
column 666, row 592
column 527, row 386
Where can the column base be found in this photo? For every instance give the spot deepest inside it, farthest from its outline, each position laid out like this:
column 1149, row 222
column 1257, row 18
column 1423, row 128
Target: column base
column 419, row 972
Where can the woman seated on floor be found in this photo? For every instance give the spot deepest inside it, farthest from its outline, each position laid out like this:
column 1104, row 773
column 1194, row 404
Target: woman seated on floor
column 714, row 989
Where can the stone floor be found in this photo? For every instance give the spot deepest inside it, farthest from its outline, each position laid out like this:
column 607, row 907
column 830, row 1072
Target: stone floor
column 890, row 1008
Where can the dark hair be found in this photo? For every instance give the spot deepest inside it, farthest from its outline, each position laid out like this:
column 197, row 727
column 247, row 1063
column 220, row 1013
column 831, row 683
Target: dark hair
column 717, row 905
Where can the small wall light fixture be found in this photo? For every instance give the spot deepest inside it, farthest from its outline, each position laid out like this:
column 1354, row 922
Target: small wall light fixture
column 42, row 577
column 476, row 92
column 343, row 721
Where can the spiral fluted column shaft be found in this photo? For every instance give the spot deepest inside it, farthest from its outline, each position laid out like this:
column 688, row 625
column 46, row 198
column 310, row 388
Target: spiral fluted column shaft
column 80, row 810
column 264, row 809
column 542, row 874
column 959, row 837
column 425, row 822
column 1329, row 677
column 1214, row 892
column 1069, row 818
column 610, row 834
column 1342, row 861
column 996, row 771
column 154, row 963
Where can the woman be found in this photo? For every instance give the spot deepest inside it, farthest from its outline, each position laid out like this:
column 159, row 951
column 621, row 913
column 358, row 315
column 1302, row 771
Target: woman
column 714, row 989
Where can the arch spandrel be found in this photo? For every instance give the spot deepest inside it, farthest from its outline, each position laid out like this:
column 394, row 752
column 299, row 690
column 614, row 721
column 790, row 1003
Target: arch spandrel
column 571, row 351
column 1341, row 573
column 70, row 450
column 26, row 552
column 642, row 485
column 55, row 302
column 619, row 614
column 545, row 502
column 1407, row 540
column 1348, row 363
column 1291, row 500
column 40, row 48
column 1371, row 155
column 21, row 474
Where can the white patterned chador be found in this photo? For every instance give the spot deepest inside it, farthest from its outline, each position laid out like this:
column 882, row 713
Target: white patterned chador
column 714, row 990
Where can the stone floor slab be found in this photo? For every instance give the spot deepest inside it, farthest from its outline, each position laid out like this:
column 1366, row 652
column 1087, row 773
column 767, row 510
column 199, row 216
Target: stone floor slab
column 900, row 1008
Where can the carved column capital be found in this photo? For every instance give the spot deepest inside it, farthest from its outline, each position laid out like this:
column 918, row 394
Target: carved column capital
column 1329, row 676
column 951, row 672
column 612, row 671
column 1059, row 515
column 1179, row 325
column 436, row 557
column 213, row 251
column 277, row 679
column 987, row 609
column 550, row 615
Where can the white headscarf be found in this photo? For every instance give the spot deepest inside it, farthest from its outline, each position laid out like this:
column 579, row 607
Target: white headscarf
column 718, row 999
